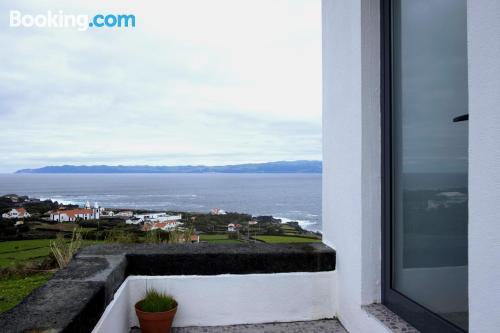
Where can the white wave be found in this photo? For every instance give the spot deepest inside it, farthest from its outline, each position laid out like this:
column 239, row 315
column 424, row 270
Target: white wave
column 62, row 201
column 301, row 222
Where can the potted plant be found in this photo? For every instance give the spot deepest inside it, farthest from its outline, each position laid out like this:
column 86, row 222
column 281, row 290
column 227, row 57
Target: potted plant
column 156, row 312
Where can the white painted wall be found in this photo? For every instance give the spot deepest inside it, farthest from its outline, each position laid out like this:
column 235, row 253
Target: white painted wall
column 227, row 299
column 484, row 165
column 351, row 155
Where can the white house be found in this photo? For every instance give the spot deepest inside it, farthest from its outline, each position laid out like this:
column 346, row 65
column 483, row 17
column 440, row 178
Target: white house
column 134, row 220
column 153, row 217
column 165, row 226
column 105, row 212
column 125, row 213
column 16, row 213
column 217, row 211
column 72, row 215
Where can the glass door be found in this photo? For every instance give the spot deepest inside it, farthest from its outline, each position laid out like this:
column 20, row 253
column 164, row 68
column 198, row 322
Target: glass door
column 426, row 162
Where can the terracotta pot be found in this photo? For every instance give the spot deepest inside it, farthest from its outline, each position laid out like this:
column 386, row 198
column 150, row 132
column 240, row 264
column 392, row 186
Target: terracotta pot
column 155, row 322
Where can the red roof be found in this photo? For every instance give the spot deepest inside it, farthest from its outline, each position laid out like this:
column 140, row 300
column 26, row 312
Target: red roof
column 21, row 211
column 157, row 225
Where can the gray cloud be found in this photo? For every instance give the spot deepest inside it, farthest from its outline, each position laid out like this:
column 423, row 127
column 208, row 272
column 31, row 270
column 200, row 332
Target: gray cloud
column 181, row 88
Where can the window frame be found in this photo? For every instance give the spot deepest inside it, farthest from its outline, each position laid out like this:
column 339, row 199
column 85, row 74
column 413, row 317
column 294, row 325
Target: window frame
column 417, row 315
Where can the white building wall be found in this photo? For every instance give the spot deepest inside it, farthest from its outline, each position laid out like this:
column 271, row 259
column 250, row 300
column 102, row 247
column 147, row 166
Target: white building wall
column 484, row 165
column 351, row 155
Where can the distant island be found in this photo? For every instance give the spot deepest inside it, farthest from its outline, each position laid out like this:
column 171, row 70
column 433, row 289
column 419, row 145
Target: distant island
column 270, row 167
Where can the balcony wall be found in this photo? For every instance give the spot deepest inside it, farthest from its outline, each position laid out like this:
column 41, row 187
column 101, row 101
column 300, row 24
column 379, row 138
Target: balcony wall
column 215, row 284
column 227, row 299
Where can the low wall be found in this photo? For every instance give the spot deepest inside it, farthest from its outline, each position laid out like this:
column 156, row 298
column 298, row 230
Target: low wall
column 227, row 299
column 74, row 299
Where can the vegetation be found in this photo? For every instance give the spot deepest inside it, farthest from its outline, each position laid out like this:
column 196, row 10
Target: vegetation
column 155, row 237
column 60, row 227
column 179, row 236
column 14, row 289
column 286, row 239
column 208, row 223
column 30, row 252
column 155, row 301
column 23, row 252
column 120, row 236
column 218, row 238
column 64, row 251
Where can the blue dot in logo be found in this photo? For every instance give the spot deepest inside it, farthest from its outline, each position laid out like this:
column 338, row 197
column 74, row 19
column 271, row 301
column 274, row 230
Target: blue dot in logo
column 91, row 24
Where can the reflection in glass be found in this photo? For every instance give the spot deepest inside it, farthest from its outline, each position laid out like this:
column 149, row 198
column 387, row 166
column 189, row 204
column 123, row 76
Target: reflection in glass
column 430, row 155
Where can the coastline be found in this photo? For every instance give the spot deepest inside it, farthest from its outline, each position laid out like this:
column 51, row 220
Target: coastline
column 304, row 224
column 292, row 197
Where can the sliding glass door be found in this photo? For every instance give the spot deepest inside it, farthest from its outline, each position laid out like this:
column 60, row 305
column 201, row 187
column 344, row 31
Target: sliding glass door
column 426, row 162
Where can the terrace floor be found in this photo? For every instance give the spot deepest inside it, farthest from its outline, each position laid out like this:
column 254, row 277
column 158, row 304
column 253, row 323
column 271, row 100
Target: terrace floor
column 323, row 326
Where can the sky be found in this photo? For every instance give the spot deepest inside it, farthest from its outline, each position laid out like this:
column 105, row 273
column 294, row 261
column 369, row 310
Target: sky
column 195, row 82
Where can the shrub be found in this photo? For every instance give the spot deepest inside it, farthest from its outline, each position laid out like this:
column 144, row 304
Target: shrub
column 156, row 237
column 178, row 236
column 120, row 236
column 63, row 251
column 233, row 235
column 155, row 301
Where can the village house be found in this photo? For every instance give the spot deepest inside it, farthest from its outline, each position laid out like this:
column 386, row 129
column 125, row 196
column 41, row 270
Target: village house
column 153, row 217
column 195, row 238
column 73, row 215
column 217, row 211
column 105, row 212
column 125, row 213
column 231, row 227
column 165, row 226
column 16, row 213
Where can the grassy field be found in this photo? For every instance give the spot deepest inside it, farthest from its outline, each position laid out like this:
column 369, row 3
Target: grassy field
column 18, row 252
column 14, row 289
column 221, row 239
column 286, row 239
column 68, row 227
column 289, row 230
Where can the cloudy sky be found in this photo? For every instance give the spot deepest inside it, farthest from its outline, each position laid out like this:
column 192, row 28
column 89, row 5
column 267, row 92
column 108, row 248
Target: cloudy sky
column 195, row 82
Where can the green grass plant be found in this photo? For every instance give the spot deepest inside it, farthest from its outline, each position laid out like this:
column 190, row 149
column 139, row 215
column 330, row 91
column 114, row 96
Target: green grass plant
column 13, row 253
column 286, row 239
column 14, row 289
column 218, row 239
column 64, row 251
column 155, row 301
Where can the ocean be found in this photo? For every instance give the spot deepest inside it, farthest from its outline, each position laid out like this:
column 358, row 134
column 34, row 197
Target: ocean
column 291, row 197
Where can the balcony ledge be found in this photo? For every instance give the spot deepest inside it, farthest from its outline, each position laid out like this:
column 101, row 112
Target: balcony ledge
column 75, row 298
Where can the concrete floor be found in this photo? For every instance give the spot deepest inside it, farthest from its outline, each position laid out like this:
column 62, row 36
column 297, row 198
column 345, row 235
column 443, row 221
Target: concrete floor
column 318, row 326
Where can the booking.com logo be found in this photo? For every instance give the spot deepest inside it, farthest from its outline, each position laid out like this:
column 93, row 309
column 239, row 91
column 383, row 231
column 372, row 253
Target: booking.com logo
column 61, row 20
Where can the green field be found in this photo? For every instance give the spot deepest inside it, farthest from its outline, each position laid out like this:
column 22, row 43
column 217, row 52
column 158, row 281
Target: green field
column 23, row 251
column 286, row 239
column 289, row 230
column 14, row 289
column 219, row 238
column 68, row 227
column 17, row 252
